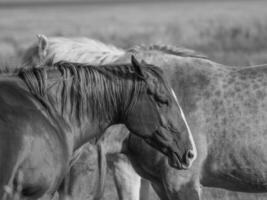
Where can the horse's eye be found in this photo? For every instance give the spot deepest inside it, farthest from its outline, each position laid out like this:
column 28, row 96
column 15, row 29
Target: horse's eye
column 163, row 101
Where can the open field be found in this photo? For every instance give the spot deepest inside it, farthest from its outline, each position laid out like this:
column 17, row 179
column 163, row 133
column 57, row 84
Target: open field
column 232, row 33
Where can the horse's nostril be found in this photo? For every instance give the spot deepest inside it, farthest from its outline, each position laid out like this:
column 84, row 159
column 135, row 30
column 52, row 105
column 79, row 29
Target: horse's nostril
column 190, row 154
column 188, row 158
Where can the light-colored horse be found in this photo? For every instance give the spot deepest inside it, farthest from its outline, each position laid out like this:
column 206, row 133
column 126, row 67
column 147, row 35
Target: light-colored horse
column 227, row 111
column 227, row 107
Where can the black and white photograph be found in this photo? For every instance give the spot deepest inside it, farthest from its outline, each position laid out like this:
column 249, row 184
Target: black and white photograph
column 133, row 99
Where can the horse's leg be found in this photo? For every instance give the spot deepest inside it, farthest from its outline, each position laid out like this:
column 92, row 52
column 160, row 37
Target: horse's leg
column 63, row 192
column 49, row 197
column 144, row 189
column 188, row 191
column 160, row 190
column 181, row 187
column 127, row 181
column 185, row 184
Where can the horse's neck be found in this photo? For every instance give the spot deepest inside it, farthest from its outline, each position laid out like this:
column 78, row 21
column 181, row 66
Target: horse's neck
column 85, row 127
column 193, row 81
column 89, row 130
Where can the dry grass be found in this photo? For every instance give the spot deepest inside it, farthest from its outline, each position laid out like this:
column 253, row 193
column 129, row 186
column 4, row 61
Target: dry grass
column 231, row 33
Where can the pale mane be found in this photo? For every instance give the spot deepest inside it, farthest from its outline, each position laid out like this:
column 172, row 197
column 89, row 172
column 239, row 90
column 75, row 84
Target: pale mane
column 85, row 50
column 94, row 52
column 82, row 50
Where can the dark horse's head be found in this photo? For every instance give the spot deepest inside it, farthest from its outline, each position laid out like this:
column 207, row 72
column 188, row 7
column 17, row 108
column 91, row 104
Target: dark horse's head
column 155, row 115
column 158, row 118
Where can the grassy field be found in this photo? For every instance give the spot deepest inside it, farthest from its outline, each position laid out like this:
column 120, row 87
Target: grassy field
column 230, row 33
column 233, row 33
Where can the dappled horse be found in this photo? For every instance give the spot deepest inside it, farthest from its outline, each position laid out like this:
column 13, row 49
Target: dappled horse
column 226, row 110
column 48, row 112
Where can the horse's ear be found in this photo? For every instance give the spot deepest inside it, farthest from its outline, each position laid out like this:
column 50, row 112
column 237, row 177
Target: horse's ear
column 154, row 87
column 138, row 68
column 42, row 45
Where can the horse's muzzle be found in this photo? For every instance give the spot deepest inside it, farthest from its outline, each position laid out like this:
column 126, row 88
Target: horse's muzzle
column 176, row 162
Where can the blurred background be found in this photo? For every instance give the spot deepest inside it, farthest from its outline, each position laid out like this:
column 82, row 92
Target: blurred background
column 228, row 32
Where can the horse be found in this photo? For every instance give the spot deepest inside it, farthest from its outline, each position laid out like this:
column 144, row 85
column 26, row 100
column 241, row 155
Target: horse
column 226, row 106
column 81, row 50
column 226, row 110
column 49, row 112
column 45, row 45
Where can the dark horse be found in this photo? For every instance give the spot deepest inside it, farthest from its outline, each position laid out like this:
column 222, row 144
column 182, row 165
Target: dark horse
column 47, row 113
column 226, row 110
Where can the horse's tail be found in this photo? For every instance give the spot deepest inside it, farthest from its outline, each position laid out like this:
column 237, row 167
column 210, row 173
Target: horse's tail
column 101, row 173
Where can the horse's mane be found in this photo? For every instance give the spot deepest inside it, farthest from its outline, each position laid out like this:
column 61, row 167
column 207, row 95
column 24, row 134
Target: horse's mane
column 167, row 49
column 85, row 50
column 97, row 91
column 101, row 53
column 82, row 50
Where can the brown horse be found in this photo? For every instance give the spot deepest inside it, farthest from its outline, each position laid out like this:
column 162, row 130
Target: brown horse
column 49, row 112
column 226, row 109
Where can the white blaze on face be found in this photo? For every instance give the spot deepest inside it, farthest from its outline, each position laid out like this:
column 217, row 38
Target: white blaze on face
column 188, row 129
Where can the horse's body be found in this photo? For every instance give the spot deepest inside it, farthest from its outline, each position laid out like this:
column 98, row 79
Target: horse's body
column 227, row 112
column 30, row 142
column 226, row 109
column 46, row 114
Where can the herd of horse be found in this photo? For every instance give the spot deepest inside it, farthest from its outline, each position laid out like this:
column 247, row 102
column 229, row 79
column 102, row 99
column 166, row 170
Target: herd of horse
column 155, row 115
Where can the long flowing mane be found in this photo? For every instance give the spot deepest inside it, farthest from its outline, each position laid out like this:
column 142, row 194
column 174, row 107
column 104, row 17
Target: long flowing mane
column 97, row 91
column 82, row 50
column 85, row 50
